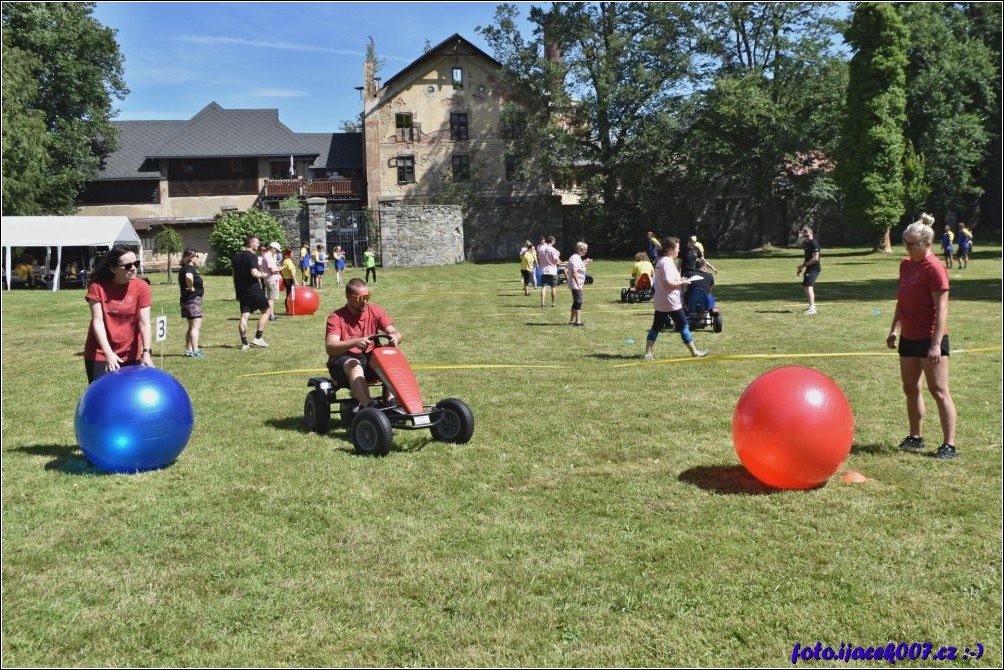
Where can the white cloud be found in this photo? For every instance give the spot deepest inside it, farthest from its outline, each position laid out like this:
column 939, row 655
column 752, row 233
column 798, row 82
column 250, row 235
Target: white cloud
column 156, row 76
column 264, row 44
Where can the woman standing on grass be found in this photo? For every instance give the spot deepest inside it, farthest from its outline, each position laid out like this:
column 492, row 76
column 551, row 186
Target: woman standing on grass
column 192, row 291
column 667, row 300
column 921, row 320
column 119, row 333
column 576, row 271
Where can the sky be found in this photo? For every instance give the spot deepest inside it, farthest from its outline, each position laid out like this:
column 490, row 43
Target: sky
column 303, row 58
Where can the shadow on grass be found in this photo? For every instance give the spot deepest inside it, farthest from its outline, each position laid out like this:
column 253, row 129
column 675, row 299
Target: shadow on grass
column 986, row 290
column 67, row 459
column 726, row 479
column 871, row 449
column 616, row 357
column 340, row 437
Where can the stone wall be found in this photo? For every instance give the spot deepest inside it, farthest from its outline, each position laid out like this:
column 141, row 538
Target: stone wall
column 497, row 231
column 306, row 224
column 420, row 235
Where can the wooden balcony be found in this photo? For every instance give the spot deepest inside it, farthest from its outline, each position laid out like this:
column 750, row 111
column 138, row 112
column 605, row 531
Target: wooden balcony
column 345, row 189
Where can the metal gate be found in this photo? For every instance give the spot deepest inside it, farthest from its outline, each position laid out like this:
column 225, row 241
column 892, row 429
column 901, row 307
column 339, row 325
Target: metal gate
column 348, row 231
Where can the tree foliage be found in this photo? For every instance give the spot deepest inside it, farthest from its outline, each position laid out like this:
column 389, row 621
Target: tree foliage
column 871, row 150
column 232, row 228
column 63, row 68
column 952, row 88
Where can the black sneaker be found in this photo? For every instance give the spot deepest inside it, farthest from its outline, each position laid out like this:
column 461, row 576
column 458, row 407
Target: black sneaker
column 946, row 452
column 912, row 443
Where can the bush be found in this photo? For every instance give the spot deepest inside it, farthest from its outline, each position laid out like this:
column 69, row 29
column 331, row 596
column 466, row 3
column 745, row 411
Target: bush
column 290, row 202
column 232, row 229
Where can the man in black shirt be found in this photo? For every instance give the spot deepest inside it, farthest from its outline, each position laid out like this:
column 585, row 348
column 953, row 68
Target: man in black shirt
column 811, row 268
column 249, row 293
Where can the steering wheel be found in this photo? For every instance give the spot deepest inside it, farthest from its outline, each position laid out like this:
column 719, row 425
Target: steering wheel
column 375, row 339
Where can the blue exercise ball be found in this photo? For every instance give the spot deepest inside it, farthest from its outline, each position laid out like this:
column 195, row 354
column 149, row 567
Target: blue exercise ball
column 134, row 419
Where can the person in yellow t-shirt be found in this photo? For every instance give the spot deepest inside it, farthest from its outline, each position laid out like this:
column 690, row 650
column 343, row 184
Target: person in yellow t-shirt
column 642, row 266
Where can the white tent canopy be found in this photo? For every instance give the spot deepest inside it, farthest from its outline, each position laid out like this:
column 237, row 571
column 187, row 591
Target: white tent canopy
column 65, row 231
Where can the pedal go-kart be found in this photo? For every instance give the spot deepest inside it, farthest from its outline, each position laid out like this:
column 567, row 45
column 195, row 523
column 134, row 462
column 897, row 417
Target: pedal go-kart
column 701, row 312
column 640, row 292
column 563, row 278
column 372, row 429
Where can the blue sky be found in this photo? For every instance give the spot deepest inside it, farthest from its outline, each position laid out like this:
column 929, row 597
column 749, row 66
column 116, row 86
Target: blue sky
column 303, row 58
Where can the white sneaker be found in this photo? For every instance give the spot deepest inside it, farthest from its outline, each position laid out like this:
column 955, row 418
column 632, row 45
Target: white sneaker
column 245, row 347
column 649, row 357
column 701, row 353
column 811, row 310
column 259, row 342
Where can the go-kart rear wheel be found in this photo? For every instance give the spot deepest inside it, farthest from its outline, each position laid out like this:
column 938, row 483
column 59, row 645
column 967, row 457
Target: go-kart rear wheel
column 457, row 424
column 317, row 412
column 624, row 295
column 372, row 434
column 632, row 297
column 589, row 279
column 716, row 322
column 346, row 411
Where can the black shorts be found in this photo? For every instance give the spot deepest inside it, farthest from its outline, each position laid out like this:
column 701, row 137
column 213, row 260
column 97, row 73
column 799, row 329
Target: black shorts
column 919, row 348
column 527, row 277
column 253, row 302
column 809, row 278
column 548, row 280
column 336, row 368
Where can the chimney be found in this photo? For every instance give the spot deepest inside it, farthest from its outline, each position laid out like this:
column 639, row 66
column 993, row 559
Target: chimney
column 369, row 79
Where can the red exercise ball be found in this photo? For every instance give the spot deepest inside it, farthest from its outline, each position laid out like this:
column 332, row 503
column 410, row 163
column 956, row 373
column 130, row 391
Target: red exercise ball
column 302, row 301
column 793, row 428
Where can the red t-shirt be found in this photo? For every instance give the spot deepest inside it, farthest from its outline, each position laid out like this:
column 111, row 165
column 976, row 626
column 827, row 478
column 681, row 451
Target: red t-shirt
column 349, row 325
column 121, row 304
column 917, row 280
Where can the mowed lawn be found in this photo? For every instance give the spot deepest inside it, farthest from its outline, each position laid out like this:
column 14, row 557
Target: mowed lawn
column 599, row 516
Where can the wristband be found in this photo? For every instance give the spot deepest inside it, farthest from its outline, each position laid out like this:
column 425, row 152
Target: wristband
column 148, row 350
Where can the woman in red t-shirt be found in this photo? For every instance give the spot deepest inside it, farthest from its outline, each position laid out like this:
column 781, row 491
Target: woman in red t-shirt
column 119, row 332
column 921, row 321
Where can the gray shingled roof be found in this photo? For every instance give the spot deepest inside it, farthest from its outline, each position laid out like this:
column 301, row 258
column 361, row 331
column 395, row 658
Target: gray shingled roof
column 232, row 133
column 136, row 138
column 335, row 150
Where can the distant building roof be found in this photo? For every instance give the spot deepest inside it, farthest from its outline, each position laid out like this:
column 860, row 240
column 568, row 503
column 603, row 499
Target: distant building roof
column 136, row 138
column 453, row 45
column 334, row 150
column 232, row 133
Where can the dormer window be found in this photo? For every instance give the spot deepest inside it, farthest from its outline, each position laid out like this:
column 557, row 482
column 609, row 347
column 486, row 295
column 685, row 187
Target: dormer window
column 458, row 78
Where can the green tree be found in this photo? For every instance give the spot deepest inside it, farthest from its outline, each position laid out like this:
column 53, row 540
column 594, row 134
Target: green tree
column 586, row 87
column 871, row 150
column 232, row 228
column 952, row 84
column 63, row 68
column 169, row 242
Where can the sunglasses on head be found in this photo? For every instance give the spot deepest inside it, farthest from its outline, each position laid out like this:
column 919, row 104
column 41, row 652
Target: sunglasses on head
column 129, row 266
column 361, row 297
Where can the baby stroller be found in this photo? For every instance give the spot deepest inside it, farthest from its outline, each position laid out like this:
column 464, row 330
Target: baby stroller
column 640, row 292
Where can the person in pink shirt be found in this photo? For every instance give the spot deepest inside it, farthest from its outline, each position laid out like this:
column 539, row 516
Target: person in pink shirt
column 921, row 321
column 667, row 300
column 576, row 273
column 548, row 258
column 269, row 265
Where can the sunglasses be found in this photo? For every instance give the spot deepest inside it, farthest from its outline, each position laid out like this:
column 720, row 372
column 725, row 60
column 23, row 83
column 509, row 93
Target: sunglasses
column 130, row 266
column 361, row 298
column 915, row 245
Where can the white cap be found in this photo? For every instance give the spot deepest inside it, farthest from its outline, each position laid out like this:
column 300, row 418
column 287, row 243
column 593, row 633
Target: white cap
column 275, row 245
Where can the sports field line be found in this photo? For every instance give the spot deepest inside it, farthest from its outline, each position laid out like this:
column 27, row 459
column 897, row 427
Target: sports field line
column 764, row 357
column 472, row 366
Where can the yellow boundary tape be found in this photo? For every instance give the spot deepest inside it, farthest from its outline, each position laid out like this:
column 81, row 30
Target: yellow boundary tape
column 668, row 361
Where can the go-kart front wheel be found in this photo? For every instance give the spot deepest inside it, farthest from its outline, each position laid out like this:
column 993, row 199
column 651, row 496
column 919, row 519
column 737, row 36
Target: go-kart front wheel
column 316, row 412
column 716, row 322
column 372, row 434
column 457, row 423
column 624, row 295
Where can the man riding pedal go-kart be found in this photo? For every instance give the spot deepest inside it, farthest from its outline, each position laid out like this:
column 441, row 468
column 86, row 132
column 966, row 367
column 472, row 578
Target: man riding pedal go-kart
column 356, row 359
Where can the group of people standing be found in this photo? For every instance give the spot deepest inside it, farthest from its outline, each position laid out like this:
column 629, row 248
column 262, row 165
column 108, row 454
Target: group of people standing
column 965, row 246
column 544, row 261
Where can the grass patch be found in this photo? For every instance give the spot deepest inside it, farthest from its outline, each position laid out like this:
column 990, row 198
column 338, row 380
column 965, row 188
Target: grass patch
column 599, row 517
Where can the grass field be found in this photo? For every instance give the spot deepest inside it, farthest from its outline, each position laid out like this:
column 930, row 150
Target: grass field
column 599, row 516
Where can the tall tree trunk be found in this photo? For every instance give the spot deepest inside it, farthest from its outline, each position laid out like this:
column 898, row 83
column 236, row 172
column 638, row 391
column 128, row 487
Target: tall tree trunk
column 883, row 243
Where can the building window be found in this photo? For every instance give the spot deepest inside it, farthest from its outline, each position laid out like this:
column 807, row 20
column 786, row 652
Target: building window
column 458, row 78
column 461, row 168
column 458, row 126
column 405, row 124
column 405, row 169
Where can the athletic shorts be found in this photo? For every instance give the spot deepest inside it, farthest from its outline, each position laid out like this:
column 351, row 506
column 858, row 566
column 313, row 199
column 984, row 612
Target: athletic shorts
column 271, row 290
column 576, row 298
column 919, row 348
column 336, row 368
column 192, row 308
column 253, row 302
column 548, row 280
column 809, row 278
